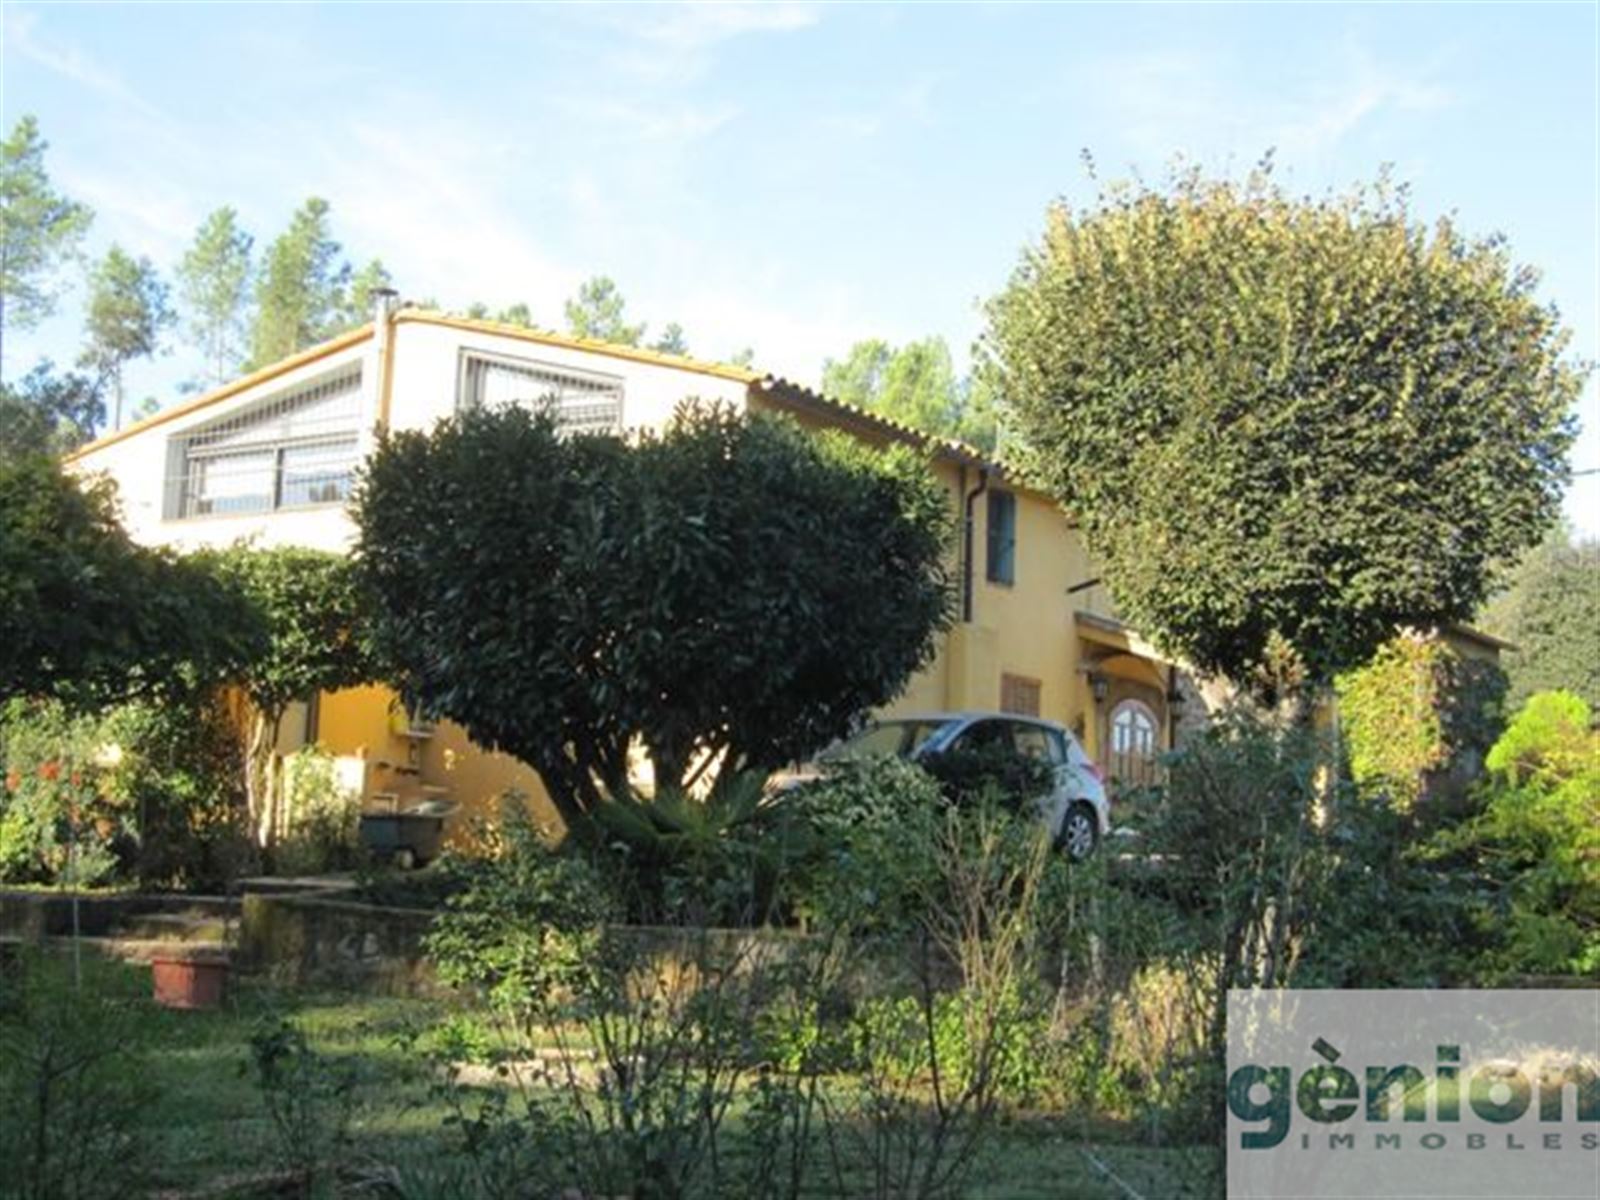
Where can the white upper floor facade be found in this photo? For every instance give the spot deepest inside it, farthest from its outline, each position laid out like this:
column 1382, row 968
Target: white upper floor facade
column 272, row 457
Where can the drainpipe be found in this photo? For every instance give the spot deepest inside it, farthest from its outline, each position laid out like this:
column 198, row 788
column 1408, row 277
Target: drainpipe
column 966, row 542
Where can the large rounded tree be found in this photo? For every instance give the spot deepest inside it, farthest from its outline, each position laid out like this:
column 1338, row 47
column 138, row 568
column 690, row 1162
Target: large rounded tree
column 728, row 595
column 1284, row 420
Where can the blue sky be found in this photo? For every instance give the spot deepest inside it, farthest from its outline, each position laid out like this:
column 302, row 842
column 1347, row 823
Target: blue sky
column 789, row 176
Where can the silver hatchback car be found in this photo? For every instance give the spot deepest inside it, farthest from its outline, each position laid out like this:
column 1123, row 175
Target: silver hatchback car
column 1077, row 809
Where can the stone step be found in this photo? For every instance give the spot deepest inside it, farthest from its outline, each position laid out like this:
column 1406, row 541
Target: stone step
column 175, row 927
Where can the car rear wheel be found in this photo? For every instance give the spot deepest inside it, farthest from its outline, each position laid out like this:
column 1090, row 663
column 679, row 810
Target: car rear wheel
column 1080, row 832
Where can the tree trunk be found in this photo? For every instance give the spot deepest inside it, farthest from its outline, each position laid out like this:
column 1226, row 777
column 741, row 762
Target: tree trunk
column 261, row 778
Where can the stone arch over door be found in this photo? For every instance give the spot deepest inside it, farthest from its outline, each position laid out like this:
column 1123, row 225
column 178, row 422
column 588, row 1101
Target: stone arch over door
column 1136, row 687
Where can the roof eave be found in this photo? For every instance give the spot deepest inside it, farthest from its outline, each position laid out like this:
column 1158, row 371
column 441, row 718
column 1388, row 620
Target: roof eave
column 788, row 392
column 523, row 333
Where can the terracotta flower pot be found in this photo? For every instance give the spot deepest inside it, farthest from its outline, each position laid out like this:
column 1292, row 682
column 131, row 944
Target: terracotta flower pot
column 189, row 981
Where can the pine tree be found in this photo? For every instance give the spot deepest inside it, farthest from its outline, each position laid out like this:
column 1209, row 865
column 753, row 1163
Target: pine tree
column 39, row 230
column 300, row 286
column 356, row 301
column 214, row 282
column 671, row 340
column 596, row 312
column 127, row 312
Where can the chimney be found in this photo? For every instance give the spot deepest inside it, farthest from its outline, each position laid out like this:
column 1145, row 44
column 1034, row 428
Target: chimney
column 385, row 303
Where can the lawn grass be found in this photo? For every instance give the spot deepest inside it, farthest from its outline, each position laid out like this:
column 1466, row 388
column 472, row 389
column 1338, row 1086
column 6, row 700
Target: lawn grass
column 207, row 1123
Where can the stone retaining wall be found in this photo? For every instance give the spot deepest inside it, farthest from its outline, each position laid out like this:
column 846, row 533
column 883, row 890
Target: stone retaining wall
column 32, row 916
column 321, row 941
column 327, row 941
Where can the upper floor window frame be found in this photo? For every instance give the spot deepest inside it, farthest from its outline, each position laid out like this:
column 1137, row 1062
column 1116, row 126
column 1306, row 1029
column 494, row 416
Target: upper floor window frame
column 603, row 414
column 265, row 458
column 1000, row 565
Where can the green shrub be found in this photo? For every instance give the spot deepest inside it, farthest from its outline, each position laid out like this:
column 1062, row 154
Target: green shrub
column 876, row 821
column 180, row 777
column 1537, row 843
column 1418, row 718
column 638, row 1043
column 57, row 822
column 720, row 858
column 1394, row 911
column 889, row 1035
column 155, row 789
column 523, row 922
column 72, row 1089
column 460, row 1038
column 970, row 776
column 321, row 815
column 309, row 1098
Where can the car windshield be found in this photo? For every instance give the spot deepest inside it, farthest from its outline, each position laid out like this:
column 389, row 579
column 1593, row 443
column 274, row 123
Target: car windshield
column 900, row 738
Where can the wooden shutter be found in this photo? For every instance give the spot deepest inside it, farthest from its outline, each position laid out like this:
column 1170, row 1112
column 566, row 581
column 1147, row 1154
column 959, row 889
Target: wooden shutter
column 1020, row 695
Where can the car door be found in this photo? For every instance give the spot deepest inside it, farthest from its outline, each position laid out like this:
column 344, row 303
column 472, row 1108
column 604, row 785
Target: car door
column 1044, row 744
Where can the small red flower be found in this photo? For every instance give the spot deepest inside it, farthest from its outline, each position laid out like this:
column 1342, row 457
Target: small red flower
column 13, row 780
column 77, row 779
column 50, row 770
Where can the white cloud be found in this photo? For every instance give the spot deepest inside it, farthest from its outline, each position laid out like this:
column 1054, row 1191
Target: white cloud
column 23, row 36
column 1166, row 101
column 674, row 44
column 673, row 124
column 432, row 203
column 143, row 210
column 911, row 102
column 693, row 27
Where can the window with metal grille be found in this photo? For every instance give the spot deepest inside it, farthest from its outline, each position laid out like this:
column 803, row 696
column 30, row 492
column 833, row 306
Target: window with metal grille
column 1019, row 694
column 292, row 450
column 581, row 401
column 1002, row 564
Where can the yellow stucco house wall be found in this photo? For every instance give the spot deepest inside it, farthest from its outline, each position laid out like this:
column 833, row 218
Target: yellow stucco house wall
column 1035, row 634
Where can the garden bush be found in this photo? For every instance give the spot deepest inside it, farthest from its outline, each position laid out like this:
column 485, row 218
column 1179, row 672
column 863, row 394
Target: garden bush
column 990, row 773
column 71, row 1088
column 645, row 1040
column 874, row 1051
column 1418, row 719
column 1536, row 845
column 151, row 791
column 57, row 823
column 321, row 816
column 722, row 858
column 875, row 822
column 309, row 1098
